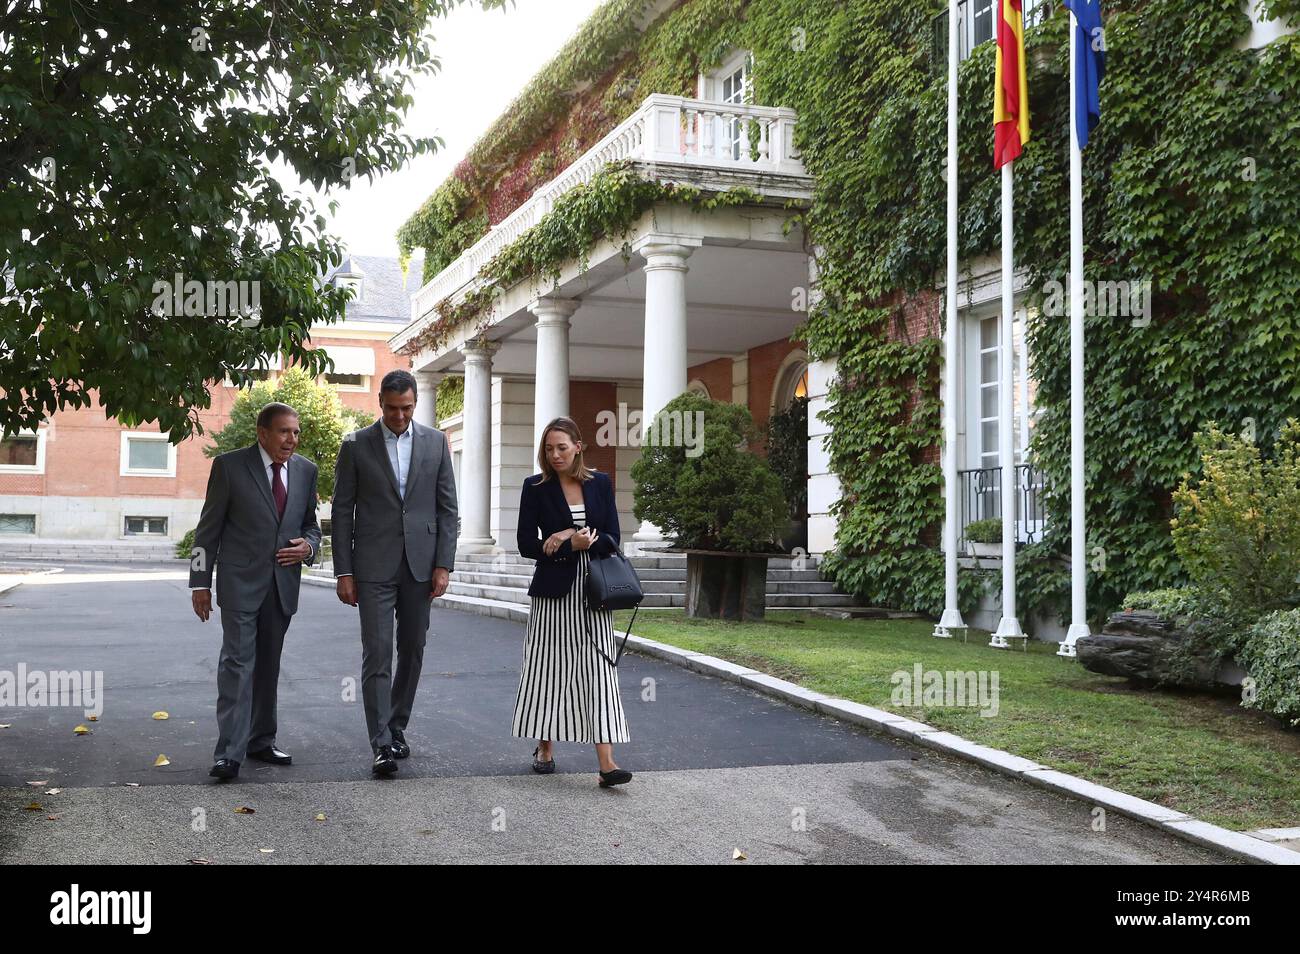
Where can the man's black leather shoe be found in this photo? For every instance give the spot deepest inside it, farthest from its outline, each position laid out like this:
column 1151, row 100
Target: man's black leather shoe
column 272, row 755
column 385, row 764
column 224, row 769
column 400, row 749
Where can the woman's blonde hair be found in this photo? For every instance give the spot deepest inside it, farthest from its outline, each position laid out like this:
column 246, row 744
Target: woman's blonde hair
column 579, row 470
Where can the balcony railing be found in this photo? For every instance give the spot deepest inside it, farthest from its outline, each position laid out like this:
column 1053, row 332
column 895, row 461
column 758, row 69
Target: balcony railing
column 666, row 129
column 981, row 499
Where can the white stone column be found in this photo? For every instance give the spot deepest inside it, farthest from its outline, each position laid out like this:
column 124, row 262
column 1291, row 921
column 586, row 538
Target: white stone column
column 664, row 352
column 426, row 401
column 476, row 458
column 551, row 378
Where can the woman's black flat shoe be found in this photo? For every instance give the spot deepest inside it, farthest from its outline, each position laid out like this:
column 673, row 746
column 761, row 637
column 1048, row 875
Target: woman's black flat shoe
column 540, row 767
column 615, row 777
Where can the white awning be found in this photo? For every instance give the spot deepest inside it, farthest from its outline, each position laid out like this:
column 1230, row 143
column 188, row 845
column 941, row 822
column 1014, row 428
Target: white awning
column 351, row 360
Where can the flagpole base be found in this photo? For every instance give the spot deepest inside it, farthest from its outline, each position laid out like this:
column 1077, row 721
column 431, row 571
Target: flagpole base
column 1072, row 635
column 1008, row 628
column 950, row 620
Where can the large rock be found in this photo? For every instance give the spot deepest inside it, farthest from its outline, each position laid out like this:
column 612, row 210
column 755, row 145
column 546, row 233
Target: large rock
column 1141, row 645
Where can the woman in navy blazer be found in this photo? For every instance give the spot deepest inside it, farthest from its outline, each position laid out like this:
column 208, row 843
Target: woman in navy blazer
column 568, row 691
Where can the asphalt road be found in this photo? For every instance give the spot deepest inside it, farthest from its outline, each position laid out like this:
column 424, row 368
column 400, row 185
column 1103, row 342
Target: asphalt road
column 719, row 768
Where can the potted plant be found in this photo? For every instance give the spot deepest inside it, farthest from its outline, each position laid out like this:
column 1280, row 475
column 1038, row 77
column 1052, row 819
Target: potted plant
column 984, row 537
column 716, row 501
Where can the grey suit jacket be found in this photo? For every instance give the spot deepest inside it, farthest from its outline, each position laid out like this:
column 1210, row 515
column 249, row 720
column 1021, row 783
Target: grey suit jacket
column 239, row 531
column 372, row 525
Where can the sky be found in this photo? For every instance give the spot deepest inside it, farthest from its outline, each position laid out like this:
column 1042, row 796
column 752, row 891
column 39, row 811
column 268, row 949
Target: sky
column 487, row 57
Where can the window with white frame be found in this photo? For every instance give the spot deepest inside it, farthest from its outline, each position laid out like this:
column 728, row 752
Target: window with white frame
column 20, row 523
column 145, row 526
column 23, row 452
column 147, row 454
column 731, row 84
column 978, row 19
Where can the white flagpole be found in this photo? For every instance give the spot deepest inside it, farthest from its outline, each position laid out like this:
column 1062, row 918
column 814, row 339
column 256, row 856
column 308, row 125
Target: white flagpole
column 1078, row 551
column 1008, row 625
column 951, row 618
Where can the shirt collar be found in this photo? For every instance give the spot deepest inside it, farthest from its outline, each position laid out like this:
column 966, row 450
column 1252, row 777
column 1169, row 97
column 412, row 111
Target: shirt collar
column 397, row 437
column 266, row 458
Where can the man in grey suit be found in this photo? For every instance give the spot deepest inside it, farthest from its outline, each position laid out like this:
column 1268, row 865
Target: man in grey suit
column 258, row 525
column 394, row 531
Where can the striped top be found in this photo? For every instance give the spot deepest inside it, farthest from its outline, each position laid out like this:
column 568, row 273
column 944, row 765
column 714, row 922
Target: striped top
column 579, row 512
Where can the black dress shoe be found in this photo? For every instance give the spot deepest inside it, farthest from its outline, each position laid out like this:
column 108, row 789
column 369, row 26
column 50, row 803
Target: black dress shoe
column 385, row 763
column 224, row 769
column 400, row 749
column 273, row 755
column 615, row 777
column 542, row 767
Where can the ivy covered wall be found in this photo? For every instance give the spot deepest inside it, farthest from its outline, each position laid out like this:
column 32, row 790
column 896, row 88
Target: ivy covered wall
column 1192, row 182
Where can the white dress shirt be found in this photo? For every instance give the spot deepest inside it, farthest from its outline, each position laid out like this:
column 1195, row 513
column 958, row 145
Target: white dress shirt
column 399, row 454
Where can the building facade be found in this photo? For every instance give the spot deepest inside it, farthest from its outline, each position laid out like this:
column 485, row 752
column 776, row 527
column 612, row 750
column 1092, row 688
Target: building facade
column 84, row 476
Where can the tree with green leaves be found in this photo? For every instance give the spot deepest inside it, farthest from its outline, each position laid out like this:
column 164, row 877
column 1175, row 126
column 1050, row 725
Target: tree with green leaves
column 698, row 482
column 323, row 421
column 137, row 194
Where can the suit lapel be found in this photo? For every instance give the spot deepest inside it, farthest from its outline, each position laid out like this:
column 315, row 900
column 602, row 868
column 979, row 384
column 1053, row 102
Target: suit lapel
column 255, row 468
column 418, row 442
column 381, row 448
column 294, row 475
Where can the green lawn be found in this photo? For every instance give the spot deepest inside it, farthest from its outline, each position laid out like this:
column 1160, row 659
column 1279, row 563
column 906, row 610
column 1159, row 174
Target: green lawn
column 1201, row 754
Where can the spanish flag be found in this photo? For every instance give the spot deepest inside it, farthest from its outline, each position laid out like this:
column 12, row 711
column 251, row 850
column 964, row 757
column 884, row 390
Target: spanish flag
column 1010, row 89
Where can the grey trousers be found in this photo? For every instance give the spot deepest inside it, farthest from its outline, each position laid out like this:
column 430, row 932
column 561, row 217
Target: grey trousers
column 387, row 693
column 248, row 676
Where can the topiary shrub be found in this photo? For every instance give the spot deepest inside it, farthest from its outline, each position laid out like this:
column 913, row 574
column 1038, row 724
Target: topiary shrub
column 708, row 491
column 185, row 546
column 1271, row 656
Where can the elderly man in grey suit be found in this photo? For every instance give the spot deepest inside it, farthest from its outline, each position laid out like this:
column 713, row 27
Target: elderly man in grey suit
column 257, row 526
column 394, row 531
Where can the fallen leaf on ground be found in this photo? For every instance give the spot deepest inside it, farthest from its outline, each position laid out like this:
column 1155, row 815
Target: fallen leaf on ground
column 738, row 855
column 267, row 851
column 162, row 760
column 53, row 817
column 92, row 718
column 53, row 791
column 160, row 715
column 320, row 817
column 244, row 810
column 34, row 807
column 81, row 730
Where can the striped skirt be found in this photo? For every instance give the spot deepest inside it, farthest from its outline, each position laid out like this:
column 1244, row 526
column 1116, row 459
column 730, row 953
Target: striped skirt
column 567, row 691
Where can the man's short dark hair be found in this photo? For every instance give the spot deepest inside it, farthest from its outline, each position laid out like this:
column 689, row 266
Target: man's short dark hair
column 266, row 417
column 399, row 382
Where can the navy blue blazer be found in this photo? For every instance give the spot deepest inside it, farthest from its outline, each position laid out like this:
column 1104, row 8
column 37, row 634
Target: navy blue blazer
column 543, row 509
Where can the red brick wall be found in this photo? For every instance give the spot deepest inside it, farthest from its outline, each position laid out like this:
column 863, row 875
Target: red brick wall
column 716, row 375
column 586, row 400
column 385, row 361
column 83, row 446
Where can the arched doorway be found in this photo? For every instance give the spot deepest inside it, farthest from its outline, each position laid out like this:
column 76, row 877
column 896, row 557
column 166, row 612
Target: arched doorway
column 787, row 443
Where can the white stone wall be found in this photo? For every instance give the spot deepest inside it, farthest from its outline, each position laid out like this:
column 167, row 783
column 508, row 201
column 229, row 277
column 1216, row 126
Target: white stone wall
column 823, row 485
column 101, row 518
column 624, row 458
column 513, row 455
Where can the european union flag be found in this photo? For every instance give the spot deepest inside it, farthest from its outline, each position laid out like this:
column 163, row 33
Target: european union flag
column 1090, row 65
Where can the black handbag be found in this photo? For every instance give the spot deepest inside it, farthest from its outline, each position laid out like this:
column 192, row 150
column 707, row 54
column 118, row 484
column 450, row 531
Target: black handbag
column 612, row 584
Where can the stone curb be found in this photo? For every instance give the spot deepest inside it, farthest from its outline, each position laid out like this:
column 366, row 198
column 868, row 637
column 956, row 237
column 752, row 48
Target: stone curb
column 1236, row 844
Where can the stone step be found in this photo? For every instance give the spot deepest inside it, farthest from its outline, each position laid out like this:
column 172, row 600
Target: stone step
column 665, row 561
column 519, row 595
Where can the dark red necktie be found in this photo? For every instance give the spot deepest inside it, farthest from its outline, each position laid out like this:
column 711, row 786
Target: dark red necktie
column 277, row 489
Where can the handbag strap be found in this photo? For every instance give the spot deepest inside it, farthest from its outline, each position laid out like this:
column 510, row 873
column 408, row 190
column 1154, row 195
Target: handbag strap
column 621, row 646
